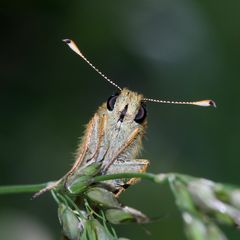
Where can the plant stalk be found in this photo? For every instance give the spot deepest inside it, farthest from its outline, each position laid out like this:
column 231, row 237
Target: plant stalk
column 32, row 188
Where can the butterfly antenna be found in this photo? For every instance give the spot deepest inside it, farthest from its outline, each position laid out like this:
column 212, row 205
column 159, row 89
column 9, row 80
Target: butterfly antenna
column 74, row 47
column 202, row 103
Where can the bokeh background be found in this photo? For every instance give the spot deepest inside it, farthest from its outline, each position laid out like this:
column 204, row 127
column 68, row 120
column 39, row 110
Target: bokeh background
column 169, row 49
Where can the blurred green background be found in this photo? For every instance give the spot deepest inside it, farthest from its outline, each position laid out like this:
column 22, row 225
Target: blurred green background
column 169, row 49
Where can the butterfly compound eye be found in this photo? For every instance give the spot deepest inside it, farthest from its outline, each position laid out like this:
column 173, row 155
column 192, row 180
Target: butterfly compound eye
column 141, row 115
column 111, row 102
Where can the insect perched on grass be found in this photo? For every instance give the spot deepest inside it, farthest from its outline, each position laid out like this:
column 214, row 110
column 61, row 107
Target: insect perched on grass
column 113, row 136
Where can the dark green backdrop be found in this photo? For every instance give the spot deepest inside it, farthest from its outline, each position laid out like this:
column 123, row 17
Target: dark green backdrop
column 177, row 49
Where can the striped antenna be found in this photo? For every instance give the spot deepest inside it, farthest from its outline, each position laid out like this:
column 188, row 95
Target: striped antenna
column 202, row 103
column 74, row 47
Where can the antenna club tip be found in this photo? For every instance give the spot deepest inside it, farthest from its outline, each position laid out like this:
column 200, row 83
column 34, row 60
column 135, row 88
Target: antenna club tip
column 205, row 103
column 68, row 41
column 73, row 46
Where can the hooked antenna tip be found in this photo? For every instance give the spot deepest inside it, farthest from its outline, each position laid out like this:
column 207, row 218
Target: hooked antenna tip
column 66, row 41
column 212, row 103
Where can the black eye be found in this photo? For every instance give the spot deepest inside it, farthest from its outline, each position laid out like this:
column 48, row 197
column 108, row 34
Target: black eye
column 141, row 115
column 111, row 101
